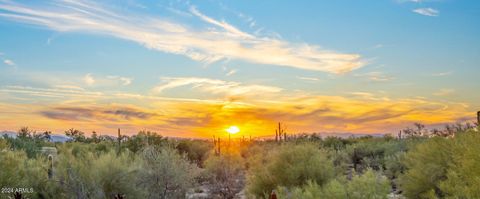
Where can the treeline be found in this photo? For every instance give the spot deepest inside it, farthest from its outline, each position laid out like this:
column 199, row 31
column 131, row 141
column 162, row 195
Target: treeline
column 144, row 166
column 369, row 167
column 415, row 164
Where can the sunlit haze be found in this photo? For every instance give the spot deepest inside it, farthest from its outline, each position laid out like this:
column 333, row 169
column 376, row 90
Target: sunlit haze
column 195, row 68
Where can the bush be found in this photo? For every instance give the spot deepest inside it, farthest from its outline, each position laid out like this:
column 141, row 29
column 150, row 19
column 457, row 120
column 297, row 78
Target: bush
column 225, row 173
column 463, row 175
column 369, row 185
column 195, row 150
column 444, row 167
column 17, row 171
column 166, row 174
column 426, row 165
column 290, row 166
column 371, row 153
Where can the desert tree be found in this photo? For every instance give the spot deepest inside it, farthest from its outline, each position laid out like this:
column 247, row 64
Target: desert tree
column 165, row 173
column 76, row 135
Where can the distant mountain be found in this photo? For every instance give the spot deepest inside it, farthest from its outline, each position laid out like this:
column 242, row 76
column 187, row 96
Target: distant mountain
column 347, row 135
column 59, row 138
column 53, row 137
column 8, row 133
column 329, row 134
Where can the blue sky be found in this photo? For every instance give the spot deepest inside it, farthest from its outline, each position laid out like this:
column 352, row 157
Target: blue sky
column 64, row 59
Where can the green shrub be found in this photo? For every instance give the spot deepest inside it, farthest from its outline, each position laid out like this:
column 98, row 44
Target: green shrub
column 369, row 185
column 290, row 166
column 463, row 175
column 426, row 165
column 371, row 153
column 195, row 150
column 164, row 173
column 224, row 173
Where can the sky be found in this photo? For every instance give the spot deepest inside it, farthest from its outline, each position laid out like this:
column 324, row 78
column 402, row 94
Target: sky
column 195, row 68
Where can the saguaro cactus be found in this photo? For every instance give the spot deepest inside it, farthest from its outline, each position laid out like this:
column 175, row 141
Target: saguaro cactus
column 276, row 135
column 219, row 146
column 50, row 167
column 478, row 118
column 216, row 145
column 119, row 140
column 280, row 133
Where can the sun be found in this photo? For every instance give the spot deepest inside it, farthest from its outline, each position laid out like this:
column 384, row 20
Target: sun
column 233, row 129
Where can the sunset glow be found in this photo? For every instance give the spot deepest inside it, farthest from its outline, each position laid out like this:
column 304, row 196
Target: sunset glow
column 233, row 130
column 190, row 69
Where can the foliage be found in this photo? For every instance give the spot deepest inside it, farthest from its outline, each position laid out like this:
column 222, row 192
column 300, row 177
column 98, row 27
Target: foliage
column 143, row 139
column 165, row 173
column 463, row 175
column 224, row 173
column 195, row 150
column 76, row 135
column 426, row 166
column 368, row 185
column 335, row 143
column 28, row 141
column 291, row 166
column 371, row 153
column 443, row 167
column 148, row 165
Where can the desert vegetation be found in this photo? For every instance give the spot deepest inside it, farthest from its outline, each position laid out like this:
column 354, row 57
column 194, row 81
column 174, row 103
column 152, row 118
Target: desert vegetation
column 415, row 163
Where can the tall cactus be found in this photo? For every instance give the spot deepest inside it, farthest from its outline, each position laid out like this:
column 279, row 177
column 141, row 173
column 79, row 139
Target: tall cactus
column 119, row 141
column 50, row 167
column 219, row 146
column 276, row 135
column 478, row 118
column 280, row 133
column 216, row 145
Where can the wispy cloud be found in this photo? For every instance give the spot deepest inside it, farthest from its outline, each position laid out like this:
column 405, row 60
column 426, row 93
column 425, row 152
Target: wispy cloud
column 205, row 43
column 89, row 80
column 125, row 81
column 55, row 92
column 376, row 76
column 9, row 62
column 215, row 86
column 360, row 112
column 444, row 92
column 222, row 24
column 231, row 72
column 109, row 80
column 427, row 12
column 378, row 46
column 308, row 78
column 442, row 74
column 114, row 113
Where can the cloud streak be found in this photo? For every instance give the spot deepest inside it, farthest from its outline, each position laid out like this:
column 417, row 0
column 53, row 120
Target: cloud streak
column 215, row 86
column 427, row 12
column 359, row 113
column 376, row 76
column 213, row 41
column 444, row 92
column 89, row 80
column 442, row 74
column 9, row 62
column 72, row 113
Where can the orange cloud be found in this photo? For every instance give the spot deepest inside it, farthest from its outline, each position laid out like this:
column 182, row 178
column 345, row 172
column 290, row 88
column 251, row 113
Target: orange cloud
column 189, row 118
